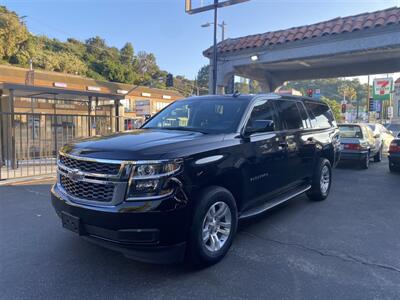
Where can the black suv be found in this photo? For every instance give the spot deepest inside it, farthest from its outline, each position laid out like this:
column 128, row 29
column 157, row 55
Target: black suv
column 177, row 187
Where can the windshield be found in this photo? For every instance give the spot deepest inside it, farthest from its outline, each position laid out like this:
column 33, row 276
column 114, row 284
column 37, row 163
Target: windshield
column 204, row 115
column 350, row 131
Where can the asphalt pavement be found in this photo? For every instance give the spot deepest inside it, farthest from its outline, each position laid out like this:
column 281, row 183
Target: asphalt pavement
column 347, row 247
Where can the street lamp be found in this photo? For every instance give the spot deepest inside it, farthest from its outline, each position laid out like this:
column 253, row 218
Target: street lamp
column 222, row 25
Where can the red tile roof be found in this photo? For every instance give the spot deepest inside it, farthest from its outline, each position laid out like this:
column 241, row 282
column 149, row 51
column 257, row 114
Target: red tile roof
column 335, row 26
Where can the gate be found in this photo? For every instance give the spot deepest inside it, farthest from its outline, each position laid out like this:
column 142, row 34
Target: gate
column 29, row 142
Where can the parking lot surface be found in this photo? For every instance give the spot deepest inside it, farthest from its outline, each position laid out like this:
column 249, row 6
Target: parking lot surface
column 346, row 247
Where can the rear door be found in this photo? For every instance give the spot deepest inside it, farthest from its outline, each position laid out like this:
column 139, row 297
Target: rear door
column 296, row 168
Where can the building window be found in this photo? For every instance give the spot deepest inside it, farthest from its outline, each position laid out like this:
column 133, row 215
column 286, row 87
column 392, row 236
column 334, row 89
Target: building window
column 161, row 105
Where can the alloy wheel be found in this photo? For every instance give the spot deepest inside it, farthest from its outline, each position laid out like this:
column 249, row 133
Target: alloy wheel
column 325, row 180
column 216, row 226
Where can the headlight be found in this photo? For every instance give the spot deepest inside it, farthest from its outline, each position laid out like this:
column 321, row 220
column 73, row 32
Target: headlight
column 149, row 179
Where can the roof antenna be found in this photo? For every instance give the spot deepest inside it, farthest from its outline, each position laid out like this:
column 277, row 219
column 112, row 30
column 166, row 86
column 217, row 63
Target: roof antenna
column 236, row 94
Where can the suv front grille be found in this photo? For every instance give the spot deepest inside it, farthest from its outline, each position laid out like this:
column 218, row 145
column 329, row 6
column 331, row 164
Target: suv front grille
column 90, row 166
column 87, row 190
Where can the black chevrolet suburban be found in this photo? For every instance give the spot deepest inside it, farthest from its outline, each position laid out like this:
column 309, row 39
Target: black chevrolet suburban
column 175, row 188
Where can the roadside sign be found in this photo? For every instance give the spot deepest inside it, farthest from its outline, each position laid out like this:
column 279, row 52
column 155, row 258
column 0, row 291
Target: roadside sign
column 317, row 93
column 378, row 106
column 197, row 6
column 382, row 88
column 390, row 112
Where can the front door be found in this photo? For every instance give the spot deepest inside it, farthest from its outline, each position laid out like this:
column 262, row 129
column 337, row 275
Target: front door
column 265, row 154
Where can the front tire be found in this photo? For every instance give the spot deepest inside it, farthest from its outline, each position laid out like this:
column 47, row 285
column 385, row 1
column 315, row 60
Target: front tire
column 322, row 181
column 214, row 226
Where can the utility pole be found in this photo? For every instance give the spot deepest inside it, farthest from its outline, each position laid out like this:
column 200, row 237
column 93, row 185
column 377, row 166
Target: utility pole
column 215, row 52
column 192, row 10
column 368, row 100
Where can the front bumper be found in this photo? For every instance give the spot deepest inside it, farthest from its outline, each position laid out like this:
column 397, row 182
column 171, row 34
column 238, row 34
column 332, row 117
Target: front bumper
column 353, row 155
column 148, row 231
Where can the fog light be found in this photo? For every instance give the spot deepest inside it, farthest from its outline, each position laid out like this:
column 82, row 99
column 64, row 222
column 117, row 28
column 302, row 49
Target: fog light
column 146, row 186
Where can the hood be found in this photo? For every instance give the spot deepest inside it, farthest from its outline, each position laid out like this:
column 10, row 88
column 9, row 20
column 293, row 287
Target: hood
column 141, row 144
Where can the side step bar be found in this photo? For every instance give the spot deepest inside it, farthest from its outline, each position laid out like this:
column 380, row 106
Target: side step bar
column 270, row 204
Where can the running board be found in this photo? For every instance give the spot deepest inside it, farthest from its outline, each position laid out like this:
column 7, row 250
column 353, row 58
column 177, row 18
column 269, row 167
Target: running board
column 270, row 204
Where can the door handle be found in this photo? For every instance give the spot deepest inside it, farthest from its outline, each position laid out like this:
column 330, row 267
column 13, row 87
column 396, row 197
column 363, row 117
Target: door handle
column 311, row 141
column 283, row 145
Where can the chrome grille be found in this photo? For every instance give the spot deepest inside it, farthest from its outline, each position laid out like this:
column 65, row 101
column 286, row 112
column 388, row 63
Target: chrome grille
column 90, row 166
column 87, row 190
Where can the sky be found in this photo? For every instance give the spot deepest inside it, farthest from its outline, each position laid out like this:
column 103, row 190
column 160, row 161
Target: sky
column 163, row 28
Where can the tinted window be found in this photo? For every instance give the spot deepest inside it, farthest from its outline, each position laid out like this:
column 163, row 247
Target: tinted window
column 205, row 115
column 322, row 116
column 303, row 114
column 290, row 114
column 263, row 110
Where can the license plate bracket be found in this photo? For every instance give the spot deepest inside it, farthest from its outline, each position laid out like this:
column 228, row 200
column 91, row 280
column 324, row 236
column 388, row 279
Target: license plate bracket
column 71, row 222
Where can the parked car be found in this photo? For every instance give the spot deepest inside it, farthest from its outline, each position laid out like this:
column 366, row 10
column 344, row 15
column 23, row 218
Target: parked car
column 360, row 144
column 385, row 135
column 394, row 155
column 176, row 189
column 395, row 128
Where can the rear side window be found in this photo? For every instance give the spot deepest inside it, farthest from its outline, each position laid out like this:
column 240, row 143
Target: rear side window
column 289, row 114
column 303, row 114
column 321, row 115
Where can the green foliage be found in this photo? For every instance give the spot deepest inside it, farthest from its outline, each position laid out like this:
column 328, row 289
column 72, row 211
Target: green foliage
column 202, row 79
column 332, row 88
column 13, row 33
column 92, row 58
column 335, row 107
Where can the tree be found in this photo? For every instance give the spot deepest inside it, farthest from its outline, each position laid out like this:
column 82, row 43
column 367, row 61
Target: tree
column 92, row 58
column 13, row 33
column 127, row 54
column 203, row 77
column 348, row 91
column 335, row 107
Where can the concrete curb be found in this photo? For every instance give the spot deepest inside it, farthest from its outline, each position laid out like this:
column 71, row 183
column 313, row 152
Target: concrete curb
column 28, row 180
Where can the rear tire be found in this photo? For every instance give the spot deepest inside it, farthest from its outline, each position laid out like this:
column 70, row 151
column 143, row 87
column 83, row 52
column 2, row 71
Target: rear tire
column 393, row 168
column 322, row 181
column 378, row 156
column 212, row 230
column 365, row 162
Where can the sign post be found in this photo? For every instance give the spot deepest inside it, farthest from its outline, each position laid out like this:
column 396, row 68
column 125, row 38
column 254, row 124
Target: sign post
column 194, row 7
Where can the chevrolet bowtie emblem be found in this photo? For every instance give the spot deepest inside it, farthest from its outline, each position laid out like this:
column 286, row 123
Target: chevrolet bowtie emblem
column 75, row 175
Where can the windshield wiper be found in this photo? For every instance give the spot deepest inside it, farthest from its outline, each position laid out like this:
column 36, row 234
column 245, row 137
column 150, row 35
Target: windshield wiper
column 179, row 128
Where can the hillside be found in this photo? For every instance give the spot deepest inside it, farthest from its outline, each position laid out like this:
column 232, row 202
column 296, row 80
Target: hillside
column 92, row 58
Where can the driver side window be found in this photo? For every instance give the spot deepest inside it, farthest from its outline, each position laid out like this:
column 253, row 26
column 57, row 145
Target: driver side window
column 262, row 111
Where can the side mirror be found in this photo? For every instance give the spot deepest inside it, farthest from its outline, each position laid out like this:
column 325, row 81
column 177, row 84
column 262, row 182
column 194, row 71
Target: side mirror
column 260, row 126
column 398, row 135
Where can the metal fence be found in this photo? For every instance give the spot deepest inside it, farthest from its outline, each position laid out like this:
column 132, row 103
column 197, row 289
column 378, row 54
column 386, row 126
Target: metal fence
column 29, row 142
